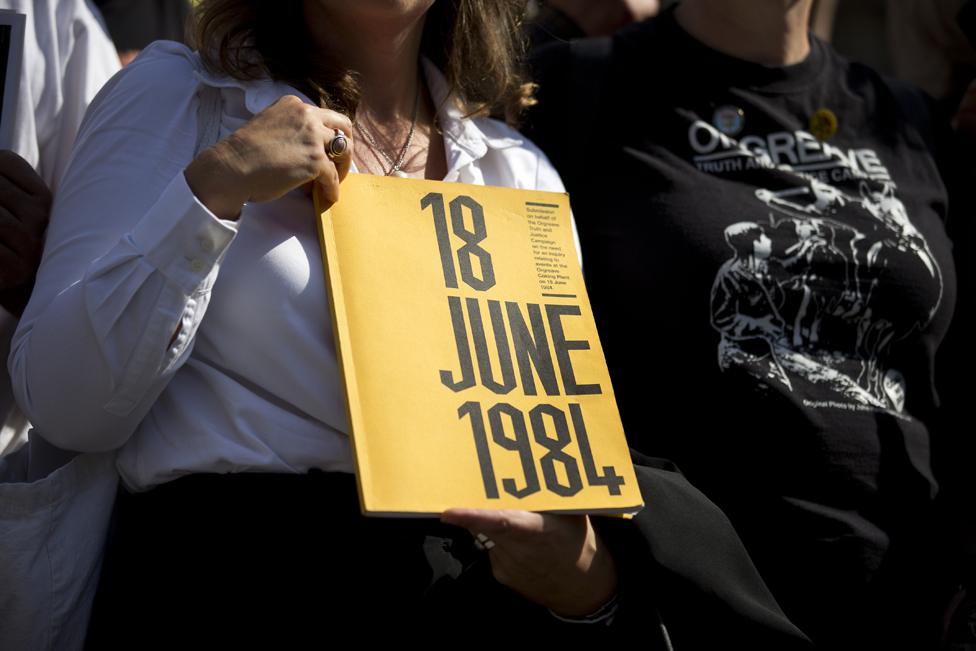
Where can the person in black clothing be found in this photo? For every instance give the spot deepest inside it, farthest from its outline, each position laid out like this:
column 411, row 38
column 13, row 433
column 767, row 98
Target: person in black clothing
column 796, row 383
column 134, row 24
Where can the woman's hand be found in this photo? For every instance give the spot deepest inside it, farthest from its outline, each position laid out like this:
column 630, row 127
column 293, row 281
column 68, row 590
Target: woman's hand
column 557, row 561
column 281, row 148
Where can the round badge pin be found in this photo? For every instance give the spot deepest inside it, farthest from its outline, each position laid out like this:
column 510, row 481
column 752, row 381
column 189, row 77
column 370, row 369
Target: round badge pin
column 729, row 120
column 823, row 124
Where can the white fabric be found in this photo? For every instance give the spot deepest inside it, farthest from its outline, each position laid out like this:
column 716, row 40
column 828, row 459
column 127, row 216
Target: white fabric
column 52, row 531
column 67, row 58
column 13, row 423
column 52, row 524
column 131, row 254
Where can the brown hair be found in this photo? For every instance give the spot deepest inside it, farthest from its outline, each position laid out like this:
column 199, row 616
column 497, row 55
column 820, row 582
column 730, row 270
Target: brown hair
column 478, row 45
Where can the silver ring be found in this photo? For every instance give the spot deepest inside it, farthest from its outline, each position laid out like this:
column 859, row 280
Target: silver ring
column 338, row 146
column 483, row 542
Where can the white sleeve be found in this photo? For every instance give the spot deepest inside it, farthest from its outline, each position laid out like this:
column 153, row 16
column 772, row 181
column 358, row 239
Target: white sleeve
column 87, row 61
column 68, row 56
column 130, row 255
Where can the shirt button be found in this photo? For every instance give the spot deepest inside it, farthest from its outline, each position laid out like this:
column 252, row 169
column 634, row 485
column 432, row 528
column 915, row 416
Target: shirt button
column 197, row 266
column 206, row 244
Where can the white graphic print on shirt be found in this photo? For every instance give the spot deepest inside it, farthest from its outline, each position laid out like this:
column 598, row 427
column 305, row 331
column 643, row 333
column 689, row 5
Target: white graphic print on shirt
column 802, row 299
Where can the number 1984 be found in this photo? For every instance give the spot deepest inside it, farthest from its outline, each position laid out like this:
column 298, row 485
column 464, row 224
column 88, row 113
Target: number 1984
column 551, row 431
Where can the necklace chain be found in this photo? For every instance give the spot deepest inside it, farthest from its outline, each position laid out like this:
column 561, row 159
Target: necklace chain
column 395, row 163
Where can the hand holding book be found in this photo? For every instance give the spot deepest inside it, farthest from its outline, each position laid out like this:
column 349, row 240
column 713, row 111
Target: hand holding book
column 473, row 370
column 557, row 561
column 281, row 148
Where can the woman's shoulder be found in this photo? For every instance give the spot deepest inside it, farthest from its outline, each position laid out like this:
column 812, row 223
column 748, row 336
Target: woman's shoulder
column 167, row 54
column 161, row 66
column 159, row 93
column 163, row 77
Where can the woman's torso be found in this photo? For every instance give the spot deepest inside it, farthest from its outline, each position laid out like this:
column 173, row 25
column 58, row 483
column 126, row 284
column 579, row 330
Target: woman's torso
column 261, row 390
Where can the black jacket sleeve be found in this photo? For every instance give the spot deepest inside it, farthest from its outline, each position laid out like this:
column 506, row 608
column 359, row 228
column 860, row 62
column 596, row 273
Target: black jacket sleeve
column 681, row 558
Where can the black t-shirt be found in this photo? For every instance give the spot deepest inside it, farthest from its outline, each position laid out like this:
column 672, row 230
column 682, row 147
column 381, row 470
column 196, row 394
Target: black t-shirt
column 766, row 255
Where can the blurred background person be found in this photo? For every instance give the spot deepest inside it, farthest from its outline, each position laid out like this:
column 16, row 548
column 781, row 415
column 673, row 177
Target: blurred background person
column 134, row 24
column 928, row 46
column 67, row 58
column 46, row 590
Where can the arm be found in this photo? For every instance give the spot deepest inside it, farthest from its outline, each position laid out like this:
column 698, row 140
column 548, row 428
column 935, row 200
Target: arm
column 678, row 563
column 125, row 263
column 557, row 561
column 132, row 252
column 682, row 557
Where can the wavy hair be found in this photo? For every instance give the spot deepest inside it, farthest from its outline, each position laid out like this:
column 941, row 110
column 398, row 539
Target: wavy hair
column 478, row 44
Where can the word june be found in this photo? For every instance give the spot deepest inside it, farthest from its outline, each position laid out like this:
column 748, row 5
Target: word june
column 544, row 439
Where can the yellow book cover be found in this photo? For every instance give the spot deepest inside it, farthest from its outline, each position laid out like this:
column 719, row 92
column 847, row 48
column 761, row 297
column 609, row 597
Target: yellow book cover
column 474, row 375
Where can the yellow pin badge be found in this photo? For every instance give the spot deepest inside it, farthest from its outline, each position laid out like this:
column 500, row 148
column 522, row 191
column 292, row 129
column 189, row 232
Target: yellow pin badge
column 823, row 124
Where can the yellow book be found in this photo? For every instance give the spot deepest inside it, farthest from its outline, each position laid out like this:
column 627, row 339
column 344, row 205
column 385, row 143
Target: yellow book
column 474, row 375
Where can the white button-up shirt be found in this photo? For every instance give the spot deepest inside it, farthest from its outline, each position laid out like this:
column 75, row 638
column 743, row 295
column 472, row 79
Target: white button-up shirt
column 252, row 382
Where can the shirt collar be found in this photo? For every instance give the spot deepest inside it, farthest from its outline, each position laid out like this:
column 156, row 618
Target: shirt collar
column 470, row 135
column 259, row 94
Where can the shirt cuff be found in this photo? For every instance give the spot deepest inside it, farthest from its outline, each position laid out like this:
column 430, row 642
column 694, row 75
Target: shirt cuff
column 602, row 616
column 181, row 238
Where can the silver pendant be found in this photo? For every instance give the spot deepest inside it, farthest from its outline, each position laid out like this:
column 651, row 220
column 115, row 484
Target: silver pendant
column 399, row 174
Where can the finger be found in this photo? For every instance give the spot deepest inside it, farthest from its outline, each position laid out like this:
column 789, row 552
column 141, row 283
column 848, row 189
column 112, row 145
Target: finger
column 335, row 120
column 344, row 162
column 495, row 522
column 328, row 182
column 289, row 100
column 19, row 172
column 511, row 570
column 337, row 139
